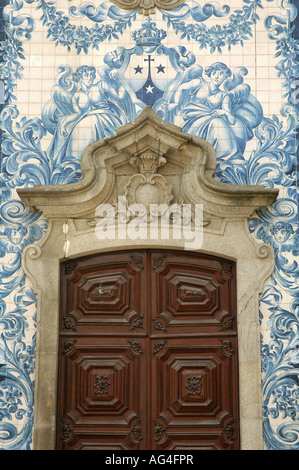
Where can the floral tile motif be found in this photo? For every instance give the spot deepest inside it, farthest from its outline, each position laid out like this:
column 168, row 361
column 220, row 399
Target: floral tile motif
column 73, row 72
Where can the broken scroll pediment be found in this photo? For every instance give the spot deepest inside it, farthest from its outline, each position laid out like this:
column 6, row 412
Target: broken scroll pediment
column 149, row 161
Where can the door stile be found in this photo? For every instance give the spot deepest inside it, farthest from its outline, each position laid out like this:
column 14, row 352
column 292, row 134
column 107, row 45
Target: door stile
column 151, row 393
column 145, row 392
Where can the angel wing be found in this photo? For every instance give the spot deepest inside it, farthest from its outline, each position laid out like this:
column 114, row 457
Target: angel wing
column 246, row 106
column 61, row 102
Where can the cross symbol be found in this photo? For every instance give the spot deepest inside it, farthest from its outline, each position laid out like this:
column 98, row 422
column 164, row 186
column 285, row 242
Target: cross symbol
column 149, row 60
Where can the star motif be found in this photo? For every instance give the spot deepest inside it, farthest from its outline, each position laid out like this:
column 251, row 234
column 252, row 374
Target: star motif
column 161, row 68
column 149, row 89
column 138, row 69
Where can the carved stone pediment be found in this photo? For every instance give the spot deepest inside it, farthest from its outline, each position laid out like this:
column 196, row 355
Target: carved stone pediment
column 147, row 6
column 149, row 161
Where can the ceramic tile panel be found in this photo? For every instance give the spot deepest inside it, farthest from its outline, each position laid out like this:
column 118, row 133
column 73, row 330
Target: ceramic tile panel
column 75, row 71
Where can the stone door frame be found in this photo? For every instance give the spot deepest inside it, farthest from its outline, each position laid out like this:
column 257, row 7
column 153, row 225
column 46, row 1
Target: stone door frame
column 186, row 165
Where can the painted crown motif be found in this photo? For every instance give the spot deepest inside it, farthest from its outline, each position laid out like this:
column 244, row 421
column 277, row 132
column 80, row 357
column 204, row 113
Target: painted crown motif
column 149, row 34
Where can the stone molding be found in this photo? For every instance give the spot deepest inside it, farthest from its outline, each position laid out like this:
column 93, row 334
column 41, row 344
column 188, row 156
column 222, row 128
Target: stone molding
column 147, row 7
column 187, row 163
column 152, row 152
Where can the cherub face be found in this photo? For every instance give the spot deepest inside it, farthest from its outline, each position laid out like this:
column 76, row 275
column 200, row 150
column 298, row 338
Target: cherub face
column 282, row 232
column 15, row 233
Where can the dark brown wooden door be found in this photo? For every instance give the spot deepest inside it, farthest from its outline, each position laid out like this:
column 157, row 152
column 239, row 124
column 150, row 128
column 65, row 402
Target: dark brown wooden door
column 148, row 352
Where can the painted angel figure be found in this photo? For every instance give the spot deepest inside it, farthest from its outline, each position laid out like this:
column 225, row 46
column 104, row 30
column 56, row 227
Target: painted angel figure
column 84, row 109
column 219, row 109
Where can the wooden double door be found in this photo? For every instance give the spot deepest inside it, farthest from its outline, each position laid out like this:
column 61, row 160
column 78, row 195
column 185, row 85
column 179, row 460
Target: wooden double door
column 148, row 352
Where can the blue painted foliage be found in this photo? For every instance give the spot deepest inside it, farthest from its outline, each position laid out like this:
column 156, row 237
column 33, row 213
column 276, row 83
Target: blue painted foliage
column 214, row 102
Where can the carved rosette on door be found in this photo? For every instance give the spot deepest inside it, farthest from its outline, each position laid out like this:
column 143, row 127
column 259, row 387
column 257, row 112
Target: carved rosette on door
column 148, row 352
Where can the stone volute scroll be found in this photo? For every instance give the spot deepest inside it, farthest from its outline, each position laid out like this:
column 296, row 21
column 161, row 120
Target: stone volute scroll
column 147, row 7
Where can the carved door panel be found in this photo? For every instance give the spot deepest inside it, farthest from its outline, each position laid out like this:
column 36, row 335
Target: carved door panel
column 148, row 352
column 192, row 294
column 194, row 407
column 103, row 394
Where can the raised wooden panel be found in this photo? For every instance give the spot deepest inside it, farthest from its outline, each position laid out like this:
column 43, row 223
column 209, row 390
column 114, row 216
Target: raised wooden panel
column 189, row 377
column 103, row 293
column 102, row 389
column 191, row 294
column 148, row 352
